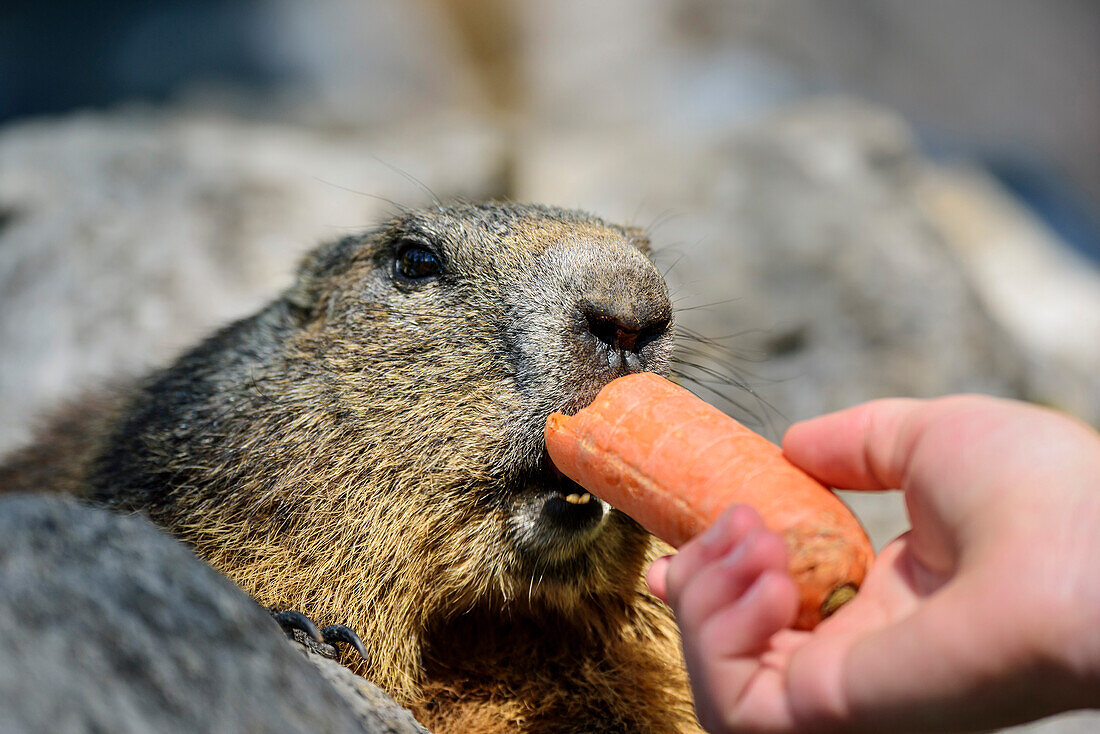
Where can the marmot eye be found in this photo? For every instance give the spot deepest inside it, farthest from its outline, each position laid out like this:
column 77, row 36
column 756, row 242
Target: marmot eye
column 416, row 262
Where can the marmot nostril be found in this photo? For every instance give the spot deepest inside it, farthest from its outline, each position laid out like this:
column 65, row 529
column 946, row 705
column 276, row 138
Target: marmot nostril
column 622, row 333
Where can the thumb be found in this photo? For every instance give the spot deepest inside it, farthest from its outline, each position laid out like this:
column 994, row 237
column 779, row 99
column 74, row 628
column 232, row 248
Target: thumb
column 865, row 447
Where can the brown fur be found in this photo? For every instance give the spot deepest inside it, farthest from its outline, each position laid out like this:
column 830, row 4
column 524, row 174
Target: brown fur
column 369, row 451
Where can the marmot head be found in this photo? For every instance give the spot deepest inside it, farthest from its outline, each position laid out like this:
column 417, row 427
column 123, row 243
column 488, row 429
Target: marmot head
column 384, row 464
column 453, row 334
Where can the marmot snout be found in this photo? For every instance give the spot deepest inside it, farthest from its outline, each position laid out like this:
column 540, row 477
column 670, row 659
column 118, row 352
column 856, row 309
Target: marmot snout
column 368, row 450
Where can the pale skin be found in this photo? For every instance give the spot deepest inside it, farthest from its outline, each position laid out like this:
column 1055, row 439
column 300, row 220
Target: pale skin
column 985, row 614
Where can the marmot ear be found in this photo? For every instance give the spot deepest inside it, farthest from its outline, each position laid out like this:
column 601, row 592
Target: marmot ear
column 305, row 295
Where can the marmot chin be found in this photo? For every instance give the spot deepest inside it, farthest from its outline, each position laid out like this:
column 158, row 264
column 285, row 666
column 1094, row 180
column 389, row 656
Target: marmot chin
column 368, row 449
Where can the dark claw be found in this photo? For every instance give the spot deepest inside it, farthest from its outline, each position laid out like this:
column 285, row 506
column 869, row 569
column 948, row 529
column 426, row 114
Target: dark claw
column 290, row 621
column 341, row 633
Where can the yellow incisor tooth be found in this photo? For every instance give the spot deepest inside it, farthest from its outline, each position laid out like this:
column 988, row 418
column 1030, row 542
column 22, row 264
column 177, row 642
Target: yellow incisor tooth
column 573, row 499
column 583, row 499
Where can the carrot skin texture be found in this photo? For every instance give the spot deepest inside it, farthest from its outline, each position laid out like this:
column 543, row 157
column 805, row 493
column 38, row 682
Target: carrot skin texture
column 675, row 464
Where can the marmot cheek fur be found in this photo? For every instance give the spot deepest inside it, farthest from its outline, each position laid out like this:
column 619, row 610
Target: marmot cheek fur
column 368, row 449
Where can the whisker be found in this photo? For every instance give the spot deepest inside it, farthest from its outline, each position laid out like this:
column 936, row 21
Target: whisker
column 414, row 180
column 256, row 388
column 720, row 353
column 711, row 365
column 715, row 339
column 677, row 261
column 726, row 397
column 720, row 377
column 662, row 219
column 399, row 207
column 707, row 305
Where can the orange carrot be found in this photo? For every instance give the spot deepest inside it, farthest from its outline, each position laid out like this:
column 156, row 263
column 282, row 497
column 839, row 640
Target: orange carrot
column 674, row 463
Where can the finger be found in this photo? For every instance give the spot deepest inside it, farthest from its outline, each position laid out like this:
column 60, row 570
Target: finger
column 949, row 456
column 656, row 578
column 742, row 629
column 736, row 686
column 866, row 447
column 724, row 581
column 730, row 529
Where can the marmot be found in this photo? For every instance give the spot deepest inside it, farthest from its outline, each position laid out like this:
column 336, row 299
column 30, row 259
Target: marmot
column 368, row 449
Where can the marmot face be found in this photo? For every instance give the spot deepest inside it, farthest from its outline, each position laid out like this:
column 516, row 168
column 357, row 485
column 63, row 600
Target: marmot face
column 455, row 333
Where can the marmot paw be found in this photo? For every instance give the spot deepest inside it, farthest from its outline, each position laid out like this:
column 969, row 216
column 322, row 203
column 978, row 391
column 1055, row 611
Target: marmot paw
column 323, row 640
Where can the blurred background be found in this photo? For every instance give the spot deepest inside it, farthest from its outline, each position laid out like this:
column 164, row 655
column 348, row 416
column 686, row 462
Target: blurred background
column 851, row 199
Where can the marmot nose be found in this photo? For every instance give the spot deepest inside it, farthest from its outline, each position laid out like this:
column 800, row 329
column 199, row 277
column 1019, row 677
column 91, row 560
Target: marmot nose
column 625, row 327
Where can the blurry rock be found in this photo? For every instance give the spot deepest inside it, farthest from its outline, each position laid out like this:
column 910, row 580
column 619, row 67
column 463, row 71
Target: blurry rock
column 107, row 624
column 803, row 249
column 803, row 237
column 988, row 76
column 660, row 67
column 1047, row 295
column 126, row 237
column 357, row 62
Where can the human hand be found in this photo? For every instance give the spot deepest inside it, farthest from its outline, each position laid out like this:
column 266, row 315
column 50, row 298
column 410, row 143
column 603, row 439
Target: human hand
column 985, row 614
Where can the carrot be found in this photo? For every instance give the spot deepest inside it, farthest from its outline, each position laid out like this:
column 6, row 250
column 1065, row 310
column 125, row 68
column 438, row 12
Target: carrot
column 674, row 463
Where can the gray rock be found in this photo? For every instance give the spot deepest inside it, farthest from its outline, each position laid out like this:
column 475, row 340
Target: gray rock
column 376, row 710
column 108, row 625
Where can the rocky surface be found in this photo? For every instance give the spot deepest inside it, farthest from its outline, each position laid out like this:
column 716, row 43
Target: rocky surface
column 107, row 624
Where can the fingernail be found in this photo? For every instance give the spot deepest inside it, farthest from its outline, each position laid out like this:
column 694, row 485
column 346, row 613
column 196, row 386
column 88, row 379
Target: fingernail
column 658, row 570
column 655, row 577
column 737, row 553
column 661, row 563
column 757, row 587
column 713, row 535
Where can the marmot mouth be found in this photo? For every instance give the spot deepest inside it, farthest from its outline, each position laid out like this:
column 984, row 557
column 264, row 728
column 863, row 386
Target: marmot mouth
column 570, row 508
column 567, row 505
column 570, row 491
column 555, row 518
